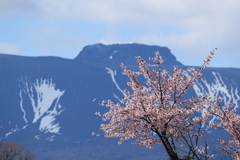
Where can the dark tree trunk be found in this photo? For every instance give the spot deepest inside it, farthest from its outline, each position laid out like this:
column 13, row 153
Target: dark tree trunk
column 171, row 152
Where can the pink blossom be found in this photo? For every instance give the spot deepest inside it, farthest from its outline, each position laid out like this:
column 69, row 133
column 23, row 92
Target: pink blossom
column 155, row 113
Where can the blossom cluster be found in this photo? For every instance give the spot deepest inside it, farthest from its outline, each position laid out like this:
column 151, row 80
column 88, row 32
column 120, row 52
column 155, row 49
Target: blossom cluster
column 229, row 120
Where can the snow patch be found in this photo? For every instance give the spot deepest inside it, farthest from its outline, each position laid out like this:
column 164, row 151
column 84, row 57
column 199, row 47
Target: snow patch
column 218, row 87
column 44, row 100
column 37, row 136
column 7, row 134
column 113, row 73
column 116, row 96
column 21, row 106
column 50, row 138
column 15, row 129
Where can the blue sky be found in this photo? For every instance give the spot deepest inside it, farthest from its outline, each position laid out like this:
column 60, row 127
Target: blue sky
column 191, row 29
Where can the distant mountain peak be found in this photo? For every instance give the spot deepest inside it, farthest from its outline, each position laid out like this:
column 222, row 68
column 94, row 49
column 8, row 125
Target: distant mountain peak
column 115, row 54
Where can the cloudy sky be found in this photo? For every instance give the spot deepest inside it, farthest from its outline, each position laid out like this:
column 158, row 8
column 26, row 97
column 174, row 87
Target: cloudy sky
column 63, row 27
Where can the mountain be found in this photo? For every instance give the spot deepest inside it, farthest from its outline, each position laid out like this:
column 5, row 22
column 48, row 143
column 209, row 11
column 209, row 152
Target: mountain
column 46, row 103
column 113, row 55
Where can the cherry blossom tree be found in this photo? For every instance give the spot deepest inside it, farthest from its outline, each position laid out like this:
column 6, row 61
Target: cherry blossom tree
column 156, row 113
column 229, row 120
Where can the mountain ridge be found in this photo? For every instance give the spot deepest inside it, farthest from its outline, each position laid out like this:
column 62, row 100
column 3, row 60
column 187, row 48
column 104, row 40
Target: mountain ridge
column 123, row 53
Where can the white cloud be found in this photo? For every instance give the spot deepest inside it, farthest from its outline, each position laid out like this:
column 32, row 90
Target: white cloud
column 8, row 7
column 8, row 48
column 193, row 27
column 151, row 11
column 189, row 28
column 56, row 42
column 197, row 20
